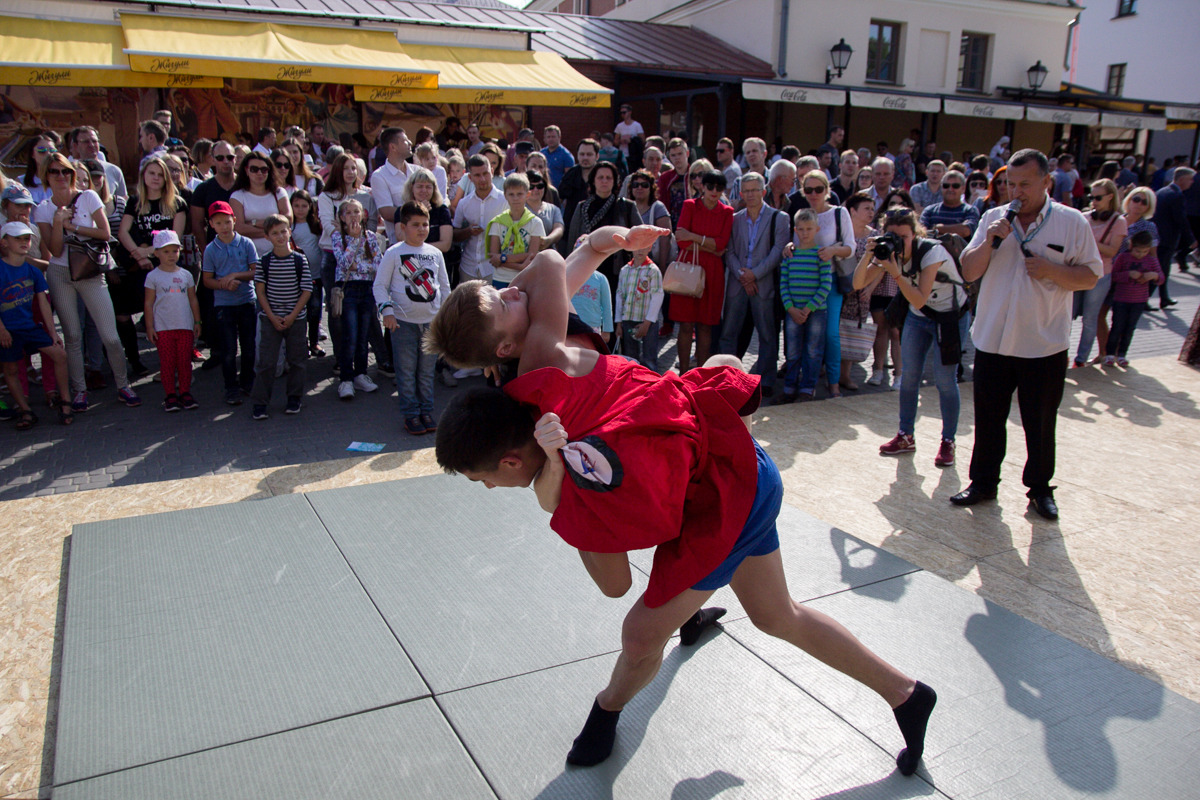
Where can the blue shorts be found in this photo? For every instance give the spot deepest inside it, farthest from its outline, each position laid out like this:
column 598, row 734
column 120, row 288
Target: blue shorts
column 759, row 537
column 25, row 341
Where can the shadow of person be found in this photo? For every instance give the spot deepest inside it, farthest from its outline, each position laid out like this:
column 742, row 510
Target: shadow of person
column 892, row 787
column 1072, row 694
column 858, row 562
column 596, row 783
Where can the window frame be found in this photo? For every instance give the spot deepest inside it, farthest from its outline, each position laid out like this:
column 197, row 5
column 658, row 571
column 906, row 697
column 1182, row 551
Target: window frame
column 1119, row 71
column 982, row 58
column 1126, row 8
column 893, row 63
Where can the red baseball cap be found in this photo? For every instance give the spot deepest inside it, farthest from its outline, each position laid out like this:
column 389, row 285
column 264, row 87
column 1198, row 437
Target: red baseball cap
column 220, row 207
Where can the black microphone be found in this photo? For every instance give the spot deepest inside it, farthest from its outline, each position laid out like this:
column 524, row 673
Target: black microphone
column 1014, row 208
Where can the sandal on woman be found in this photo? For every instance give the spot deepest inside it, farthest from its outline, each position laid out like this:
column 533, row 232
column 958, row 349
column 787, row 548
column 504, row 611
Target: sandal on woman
column 65, row 415
column 26, row 419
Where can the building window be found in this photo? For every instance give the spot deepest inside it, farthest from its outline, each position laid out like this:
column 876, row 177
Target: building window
column 1116, row 79
column 883, row 52
column 972, row 61
column 1126, row 8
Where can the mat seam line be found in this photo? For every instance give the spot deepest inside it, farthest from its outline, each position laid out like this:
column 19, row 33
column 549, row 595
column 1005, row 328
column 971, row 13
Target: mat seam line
column 821, row 703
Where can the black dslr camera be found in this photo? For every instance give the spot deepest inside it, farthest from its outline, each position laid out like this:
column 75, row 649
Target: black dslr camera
column 888, row 245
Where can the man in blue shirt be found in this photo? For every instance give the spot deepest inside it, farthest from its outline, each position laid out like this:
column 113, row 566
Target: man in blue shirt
column 951, row 215
column 558, row 158
column 1064, row 180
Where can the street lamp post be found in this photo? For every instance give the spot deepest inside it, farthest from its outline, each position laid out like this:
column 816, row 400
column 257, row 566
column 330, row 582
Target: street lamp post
column 839, row 54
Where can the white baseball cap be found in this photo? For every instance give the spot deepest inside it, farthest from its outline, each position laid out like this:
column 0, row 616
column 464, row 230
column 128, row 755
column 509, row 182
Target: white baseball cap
column 16, row 229
column 165, row 238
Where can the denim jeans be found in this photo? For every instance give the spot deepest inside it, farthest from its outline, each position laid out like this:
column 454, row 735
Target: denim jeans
column 313, row 313
column 919, row 339
column 1089, row 303
column 358, row 307
column 833, row 335
column 414, row 369
column 236, row 326
column 762, row 311
column 806, row 348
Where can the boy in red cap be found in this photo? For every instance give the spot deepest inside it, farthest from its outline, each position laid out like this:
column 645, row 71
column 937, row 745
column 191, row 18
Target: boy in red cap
column 230, row 261
column 626, row 459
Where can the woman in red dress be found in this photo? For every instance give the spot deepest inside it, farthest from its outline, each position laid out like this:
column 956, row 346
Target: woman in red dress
column 704, row 227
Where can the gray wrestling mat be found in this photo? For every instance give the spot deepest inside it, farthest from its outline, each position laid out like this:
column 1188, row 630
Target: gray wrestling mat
column 431, row 639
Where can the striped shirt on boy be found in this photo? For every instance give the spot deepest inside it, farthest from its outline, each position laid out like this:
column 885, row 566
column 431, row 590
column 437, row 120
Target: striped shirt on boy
column 805, row 280
column 286, row 278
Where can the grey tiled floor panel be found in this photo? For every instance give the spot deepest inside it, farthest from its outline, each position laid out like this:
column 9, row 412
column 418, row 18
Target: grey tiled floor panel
column 430, row 639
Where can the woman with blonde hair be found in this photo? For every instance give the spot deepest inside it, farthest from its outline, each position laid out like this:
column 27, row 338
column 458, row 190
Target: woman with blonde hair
column 66, row 211
column 835, row 241
column 422, row 187
column 156, row 205
column 1109, row 228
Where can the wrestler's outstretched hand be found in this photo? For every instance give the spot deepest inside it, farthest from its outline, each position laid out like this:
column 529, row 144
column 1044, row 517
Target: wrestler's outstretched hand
column 640, row 237
column 550, row 434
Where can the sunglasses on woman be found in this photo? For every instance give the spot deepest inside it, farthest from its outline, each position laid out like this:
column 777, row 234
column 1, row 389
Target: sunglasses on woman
column 283, row 164
column 60, row 172
column 44, row 151
column 639, row 185
column 1137, row 198
column 533, row 186
column 898, row 213
column 814, row 189
column 258, row 170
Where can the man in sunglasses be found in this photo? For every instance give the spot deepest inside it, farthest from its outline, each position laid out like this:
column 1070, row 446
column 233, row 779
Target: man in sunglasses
column 951, row 215
column 725, row 161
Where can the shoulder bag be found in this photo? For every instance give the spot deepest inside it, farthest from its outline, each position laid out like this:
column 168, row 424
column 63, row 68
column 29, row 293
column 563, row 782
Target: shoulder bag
column 685, row 276
column 843, row 268
column 86, row 257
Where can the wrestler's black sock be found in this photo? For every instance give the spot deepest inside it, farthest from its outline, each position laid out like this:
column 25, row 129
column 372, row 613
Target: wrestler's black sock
column 912, row 716
column 595, row 742
column 689, row 634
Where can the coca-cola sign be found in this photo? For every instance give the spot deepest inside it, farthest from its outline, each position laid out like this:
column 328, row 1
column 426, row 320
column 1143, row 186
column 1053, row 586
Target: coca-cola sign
column 983, row 111
column 894, row 101
column 794, row 95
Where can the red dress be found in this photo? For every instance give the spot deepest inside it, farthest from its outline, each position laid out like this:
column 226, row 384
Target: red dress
column 653, row 461
column 716, row 224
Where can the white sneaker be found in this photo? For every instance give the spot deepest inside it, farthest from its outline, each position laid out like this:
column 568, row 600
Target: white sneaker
column 876, row 378
column 345, row 390
column 364, row 384
column 467, row 373
column 896, row 383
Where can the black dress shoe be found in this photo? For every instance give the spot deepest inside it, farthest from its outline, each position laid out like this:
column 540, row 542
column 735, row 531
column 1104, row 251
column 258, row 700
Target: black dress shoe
column 1165, row 304
column 1044, row 506
column 972, row 495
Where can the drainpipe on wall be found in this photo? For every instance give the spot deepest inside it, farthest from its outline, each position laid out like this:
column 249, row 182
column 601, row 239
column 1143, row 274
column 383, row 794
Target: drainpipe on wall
column 784, row 7
column 1069, row 53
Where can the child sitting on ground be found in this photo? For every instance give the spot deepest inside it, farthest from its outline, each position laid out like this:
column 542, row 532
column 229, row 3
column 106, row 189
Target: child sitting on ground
column 283, row 285
column 172, row 320
column 1132, row 274
column 804, row 283
column 22, row 285
column 409, row 288
column 639, row 298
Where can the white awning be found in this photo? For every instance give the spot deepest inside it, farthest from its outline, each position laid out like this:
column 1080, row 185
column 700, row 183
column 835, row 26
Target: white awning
column 1187, row 113
column 1062, row 116
column 1138, row 122
column 792, row 93
column 895, row 101
column 972, row 108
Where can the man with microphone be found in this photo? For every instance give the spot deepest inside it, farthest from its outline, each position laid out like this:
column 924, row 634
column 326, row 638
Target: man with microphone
column 1032, row 255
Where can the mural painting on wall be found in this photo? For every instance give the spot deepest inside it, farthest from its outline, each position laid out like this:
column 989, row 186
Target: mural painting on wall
column 244, row 106
column 25, row 110
column 495, row 122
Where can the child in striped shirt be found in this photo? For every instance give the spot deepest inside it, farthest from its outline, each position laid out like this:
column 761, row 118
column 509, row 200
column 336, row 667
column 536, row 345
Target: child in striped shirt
column 639, row 298
column 804, row 282
column 283, row 285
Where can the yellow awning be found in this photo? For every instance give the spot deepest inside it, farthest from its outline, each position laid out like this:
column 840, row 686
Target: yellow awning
column 270, row 51
column 44, row 53
column 493, row 77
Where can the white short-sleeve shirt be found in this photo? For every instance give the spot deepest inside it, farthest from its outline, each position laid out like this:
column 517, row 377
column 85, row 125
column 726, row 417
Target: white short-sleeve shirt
column 1016, row 315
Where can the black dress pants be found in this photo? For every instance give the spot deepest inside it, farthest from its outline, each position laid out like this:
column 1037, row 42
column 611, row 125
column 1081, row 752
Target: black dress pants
column 1038, row 383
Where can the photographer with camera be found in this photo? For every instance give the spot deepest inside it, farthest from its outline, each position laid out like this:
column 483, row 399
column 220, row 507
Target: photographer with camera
column 932, row 304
